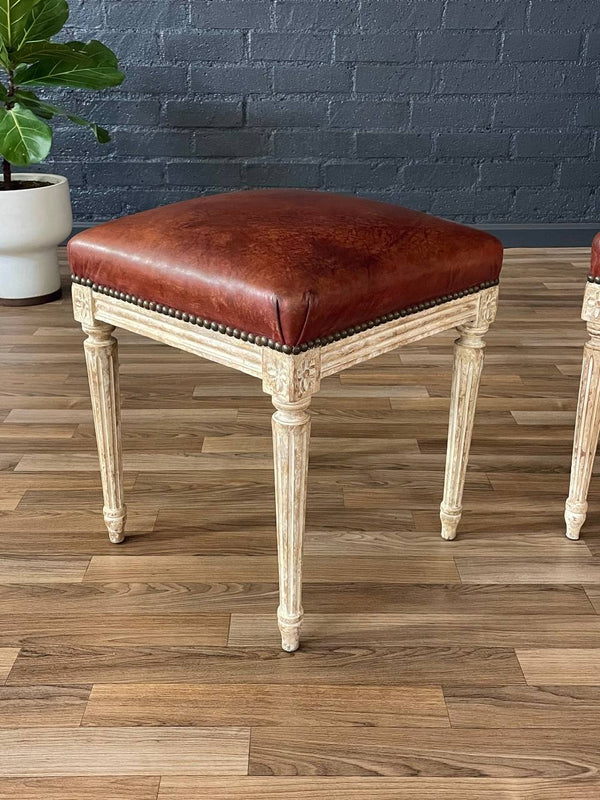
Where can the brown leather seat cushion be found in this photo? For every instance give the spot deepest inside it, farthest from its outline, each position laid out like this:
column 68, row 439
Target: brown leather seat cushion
column 291, row 266
column 595, row 269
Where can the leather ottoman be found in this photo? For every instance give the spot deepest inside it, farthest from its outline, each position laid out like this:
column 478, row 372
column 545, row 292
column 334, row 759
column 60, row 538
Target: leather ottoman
column 290, row 287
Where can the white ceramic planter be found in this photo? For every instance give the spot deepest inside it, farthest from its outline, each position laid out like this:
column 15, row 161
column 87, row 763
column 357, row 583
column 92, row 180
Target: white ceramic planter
column 33, row 222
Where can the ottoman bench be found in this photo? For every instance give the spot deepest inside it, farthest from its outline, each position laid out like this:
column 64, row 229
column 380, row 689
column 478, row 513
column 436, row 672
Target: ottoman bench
column 289, row 286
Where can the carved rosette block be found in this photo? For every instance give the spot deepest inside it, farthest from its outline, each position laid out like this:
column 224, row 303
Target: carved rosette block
column 83, row 304
column 468, row 363
column 291, row 378
column 488, row 307
column 101, row 357
column 590, row 311
column 587, row 420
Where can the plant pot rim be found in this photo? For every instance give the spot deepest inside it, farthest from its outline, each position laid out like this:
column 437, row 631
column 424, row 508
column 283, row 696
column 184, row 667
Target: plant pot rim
column 30, row 177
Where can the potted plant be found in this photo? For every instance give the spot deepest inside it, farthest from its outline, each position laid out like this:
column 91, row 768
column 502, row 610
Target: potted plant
column 35, row 209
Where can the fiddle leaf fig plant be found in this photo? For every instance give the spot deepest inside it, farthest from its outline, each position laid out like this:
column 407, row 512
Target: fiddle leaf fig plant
column 29, row 59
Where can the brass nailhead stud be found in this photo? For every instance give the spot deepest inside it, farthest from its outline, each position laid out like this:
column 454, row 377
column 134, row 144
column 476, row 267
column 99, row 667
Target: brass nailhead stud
column 263, row 341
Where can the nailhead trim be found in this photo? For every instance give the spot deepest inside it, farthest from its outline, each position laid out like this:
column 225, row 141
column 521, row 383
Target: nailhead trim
column 263, row 341
column 593, row 278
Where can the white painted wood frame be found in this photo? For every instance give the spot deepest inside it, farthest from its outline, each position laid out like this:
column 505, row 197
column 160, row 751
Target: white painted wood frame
column 587, row 420
column 291, row 380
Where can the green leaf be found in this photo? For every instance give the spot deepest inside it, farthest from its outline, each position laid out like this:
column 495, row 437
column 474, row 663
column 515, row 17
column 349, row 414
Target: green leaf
column 35, row 51
column 3, row 93
column 45, row 19
column 31, row 101
column 98, row 71
column 24, row 139
column 13, row 20
column 99, row 53
column 48, row 111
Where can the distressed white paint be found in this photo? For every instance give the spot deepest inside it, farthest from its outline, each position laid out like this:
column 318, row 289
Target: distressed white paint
column 587, row 420
column 291, row 380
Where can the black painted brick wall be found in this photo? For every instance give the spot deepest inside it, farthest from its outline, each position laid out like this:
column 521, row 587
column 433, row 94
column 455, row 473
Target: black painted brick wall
column 483, row 111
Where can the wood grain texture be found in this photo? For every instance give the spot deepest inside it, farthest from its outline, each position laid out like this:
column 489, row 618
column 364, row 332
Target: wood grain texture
column 577, row 666
column 392, row 612
column 175, row 597
column 556, row 707
column 204, row 569
column 255, row 706
column 318, row 664
column 475, row 569
column 128, row 751
column 374, row 788
column 42, row 706
column 7, row 659
column 116, row 630
column 428, row 753
column 447, row 630
column 42, row 570
column 107, row 788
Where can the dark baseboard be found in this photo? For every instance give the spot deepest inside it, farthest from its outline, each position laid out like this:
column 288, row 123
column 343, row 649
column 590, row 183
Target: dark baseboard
column 567, row 234
column 544, row 235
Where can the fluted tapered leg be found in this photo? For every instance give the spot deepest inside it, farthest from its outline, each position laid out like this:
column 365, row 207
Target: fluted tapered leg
column 585, row 441
column 103, row 374
column 291, row 436
column 468, row 363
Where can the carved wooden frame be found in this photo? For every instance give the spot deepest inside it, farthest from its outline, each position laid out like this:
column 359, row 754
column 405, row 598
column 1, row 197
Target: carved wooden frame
column 291, row 380
column 587, row 420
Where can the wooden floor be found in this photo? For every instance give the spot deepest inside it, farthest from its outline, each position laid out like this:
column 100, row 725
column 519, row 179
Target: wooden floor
column 430, row 670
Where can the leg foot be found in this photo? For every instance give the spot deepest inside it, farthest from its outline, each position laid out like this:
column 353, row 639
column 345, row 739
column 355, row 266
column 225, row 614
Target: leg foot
column 575, row 514
column 115, row 523
column 450, row 520
column 290, row 632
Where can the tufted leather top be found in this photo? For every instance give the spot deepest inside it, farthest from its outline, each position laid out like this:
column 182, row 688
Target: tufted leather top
column 293, row 266
column 595, row 269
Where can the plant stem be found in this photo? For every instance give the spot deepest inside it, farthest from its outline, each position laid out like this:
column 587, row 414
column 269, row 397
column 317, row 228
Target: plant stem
column 6, row 167
column 7, row 173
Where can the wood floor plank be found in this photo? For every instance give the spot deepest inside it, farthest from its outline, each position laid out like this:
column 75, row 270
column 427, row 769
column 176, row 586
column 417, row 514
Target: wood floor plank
column 264, row 568
column 490, row 570
column 55, row 752
column 426, row 543
column 8, row 656
column 256, row 705
column 42, row 706
column 445, row 630
column 561, row 666
column 428, row 753
column 374, row 788
column 62, row 416
column 557, row 707
column 14, row 569
column 45, row 521
column 9, row 432
column 248, row 598
column 315, row 664
column 9, row 500
column 140, row 462
column 593, row 592
column 116, row 630
column 105, row 788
